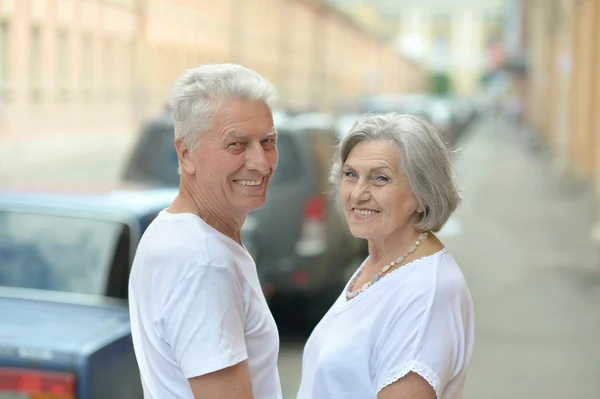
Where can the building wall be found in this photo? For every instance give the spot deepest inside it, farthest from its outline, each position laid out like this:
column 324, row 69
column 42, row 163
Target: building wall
column 563, row 101
column 79, row 65
column 453, row 39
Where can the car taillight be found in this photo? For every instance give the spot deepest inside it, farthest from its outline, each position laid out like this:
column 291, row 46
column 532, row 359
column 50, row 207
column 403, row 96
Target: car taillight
column 314, row 209
column 313, row 237
column 37, row 384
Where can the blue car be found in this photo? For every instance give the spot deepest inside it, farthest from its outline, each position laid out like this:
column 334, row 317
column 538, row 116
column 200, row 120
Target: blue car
column 64, row 267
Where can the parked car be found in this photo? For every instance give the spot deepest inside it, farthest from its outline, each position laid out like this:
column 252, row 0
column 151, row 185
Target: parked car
column 305, row 252
column 451, row 115
column 65, row 259
column 345, row 123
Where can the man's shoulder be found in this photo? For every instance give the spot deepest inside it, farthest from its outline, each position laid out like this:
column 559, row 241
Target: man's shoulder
column 186, row 239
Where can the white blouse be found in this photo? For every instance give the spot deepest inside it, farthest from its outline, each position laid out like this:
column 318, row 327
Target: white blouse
column 418, row 318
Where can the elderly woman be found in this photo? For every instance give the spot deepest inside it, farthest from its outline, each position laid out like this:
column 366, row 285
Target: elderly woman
column 403, row 327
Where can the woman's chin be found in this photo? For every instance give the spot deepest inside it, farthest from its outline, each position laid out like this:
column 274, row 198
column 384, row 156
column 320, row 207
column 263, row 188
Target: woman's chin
column 361, row 233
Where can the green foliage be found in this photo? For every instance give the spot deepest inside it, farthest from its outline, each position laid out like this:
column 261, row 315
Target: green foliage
column 441, row 83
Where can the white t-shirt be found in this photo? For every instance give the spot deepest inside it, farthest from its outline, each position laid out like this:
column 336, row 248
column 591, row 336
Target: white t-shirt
column 196, row 307
column 418, row 318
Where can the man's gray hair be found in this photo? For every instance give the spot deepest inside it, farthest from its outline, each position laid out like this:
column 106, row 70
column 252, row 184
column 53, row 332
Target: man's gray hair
column 424, row 159
column 198, row 92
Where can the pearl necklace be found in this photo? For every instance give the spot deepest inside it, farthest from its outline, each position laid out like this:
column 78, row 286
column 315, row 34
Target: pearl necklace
column 351, row 294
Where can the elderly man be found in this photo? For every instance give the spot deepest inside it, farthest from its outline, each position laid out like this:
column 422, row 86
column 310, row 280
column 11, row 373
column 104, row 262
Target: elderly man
column 201, row 326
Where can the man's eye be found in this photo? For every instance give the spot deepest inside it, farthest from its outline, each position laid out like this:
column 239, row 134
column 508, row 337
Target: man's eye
column 234, row 144
column 349, row 173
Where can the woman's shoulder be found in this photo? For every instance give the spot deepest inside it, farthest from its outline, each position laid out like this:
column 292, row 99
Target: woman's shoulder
column 435, row 278
column 435, row 290
column 449, row 278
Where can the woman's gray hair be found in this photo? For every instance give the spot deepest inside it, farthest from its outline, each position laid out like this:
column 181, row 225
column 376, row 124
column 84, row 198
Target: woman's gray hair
column 424, row 159
column 198, row 92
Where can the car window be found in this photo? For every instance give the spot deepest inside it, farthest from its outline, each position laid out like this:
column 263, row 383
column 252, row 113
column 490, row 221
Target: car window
column 158, row 160
column 157, row 157
column 289, row 167
column 58, row 253
column 322, row 143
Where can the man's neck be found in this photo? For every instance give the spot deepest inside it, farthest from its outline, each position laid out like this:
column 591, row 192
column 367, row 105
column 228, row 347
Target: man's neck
column 215, row 215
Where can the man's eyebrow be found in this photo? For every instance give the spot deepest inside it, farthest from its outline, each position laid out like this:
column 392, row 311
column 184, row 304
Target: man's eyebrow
column 271, row 133
column 236, row 134
column 240, row 135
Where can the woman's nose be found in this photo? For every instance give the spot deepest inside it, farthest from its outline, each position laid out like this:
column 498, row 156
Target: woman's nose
column 360, row 192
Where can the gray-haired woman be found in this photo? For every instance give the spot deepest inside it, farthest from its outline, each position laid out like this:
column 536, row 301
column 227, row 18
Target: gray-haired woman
column 404, row 325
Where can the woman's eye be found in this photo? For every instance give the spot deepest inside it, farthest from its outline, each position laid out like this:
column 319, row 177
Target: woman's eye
column 349, row 173
column 383, row 179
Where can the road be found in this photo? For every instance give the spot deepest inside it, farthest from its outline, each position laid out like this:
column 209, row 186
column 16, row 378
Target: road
column 523, row 243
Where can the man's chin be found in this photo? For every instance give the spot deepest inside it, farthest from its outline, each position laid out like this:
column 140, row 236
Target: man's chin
column 260, row 203
column 254, row 203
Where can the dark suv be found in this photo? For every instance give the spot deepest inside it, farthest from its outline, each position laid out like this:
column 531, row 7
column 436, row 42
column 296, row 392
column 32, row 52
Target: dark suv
column 303, row 247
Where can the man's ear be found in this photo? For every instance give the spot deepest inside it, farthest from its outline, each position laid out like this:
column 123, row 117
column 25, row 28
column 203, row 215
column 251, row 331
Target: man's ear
column 184, row 155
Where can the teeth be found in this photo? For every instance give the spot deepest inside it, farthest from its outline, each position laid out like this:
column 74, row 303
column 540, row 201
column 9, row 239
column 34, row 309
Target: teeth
column 248, row 182
column 364, row 212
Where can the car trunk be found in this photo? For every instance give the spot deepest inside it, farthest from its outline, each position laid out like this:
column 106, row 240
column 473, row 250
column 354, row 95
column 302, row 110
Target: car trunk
column 50, row 326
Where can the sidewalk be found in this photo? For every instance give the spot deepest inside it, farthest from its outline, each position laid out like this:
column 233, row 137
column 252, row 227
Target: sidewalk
column 22, row 158
column 523, row 242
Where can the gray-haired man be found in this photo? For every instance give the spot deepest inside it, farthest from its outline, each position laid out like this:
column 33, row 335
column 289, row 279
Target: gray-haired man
column 201, row 326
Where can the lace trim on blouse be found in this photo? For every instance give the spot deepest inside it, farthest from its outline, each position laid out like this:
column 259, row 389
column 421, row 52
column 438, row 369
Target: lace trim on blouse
column 416, row 367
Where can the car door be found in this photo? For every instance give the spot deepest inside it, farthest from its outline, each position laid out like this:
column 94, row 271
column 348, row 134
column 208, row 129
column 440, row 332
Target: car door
column 281, row 218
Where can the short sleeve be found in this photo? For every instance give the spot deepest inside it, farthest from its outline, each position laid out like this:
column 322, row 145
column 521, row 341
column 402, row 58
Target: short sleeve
column 203, row 321
column 438, row 344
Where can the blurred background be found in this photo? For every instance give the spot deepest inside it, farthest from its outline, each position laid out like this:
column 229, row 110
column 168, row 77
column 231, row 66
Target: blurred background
column 87, row 161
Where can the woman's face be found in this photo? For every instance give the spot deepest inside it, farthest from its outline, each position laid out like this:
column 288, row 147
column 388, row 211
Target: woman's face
column 375, row 195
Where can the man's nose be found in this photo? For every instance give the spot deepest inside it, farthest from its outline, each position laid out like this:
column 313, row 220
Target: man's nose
column 256, row 159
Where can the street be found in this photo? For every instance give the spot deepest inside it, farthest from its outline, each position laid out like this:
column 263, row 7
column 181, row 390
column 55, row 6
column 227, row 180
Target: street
column 533, row 274
column 523, row 242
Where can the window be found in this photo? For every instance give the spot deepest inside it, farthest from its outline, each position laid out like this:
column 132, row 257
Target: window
column 35, row 64
column 289, row 167
column 5, row 58
column 155, row 159
column 127, row 55
column 62, row 78
column 87, row 72
column 108, row 60
column 63, row 253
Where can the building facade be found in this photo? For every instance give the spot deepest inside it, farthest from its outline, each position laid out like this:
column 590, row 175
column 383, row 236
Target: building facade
column 453, row 37
column 81, row 65
column 563, row 86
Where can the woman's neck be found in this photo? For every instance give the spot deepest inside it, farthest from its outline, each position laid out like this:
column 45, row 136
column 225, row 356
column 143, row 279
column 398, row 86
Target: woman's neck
column 385, row 250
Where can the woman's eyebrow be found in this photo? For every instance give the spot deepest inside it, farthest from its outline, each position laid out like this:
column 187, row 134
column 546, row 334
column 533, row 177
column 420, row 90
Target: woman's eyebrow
column 373, row 169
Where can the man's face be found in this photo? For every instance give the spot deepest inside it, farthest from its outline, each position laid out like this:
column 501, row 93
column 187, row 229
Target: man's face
column 236, row 157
